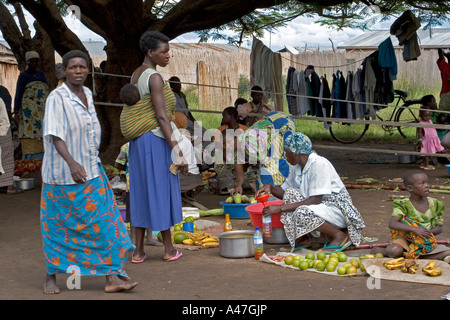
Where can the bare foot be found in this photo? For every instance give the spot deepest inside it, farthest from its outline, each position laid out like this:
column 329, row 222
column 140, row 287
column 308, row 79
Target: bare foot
column 115, row 284
column 50, row 286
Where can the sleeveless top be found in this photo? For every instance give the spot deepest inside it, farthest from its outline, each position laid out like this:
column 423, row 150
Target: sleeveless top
column 140, row 118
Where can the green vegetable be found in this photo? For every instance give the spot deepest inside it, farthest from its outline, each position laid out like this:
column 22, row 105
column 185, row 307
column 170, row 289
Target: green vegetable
column 237, row 198
column 229, row 200
column 212, row 212
column 244, row 199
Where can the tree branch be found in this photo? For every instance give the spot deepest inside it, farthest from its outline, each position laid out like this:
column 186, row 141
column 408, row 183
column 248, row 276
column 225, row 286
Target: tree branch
column 49, row 17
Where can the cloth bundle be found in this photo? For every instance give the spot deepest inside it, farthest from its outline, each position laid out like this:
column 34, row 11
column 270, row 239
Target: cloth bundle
column 140, row 118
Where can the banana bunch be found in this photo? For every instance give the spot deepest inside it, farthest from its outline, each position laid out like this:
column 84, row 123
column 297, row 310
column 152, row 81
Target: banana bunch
column 209, row 242
column 200, row 238
column 430, row 269
column 395, row 264
column 410, row 266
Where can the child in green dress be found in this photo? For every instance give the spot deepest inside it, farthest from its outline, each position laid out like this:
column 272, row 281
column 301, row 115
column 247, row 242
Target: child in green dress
column 416, row 221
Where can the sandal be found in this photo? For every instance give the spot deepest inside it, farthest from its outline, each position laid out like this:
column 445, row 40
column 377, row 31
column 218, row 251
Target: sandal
column 178, row 255
column 428, row 167
column 133, row 260
column 335, row 249
column 13, row 190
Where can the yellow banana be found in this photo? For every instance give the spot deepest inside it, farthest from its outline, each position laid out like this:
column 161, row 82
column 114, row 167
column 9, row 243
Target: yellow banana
column 430, row 266
column 433, row 272
column 198, row 238
column 188, row 242
column 209, row 239
column 394, row 266
column 395, row 261
column 210, row 244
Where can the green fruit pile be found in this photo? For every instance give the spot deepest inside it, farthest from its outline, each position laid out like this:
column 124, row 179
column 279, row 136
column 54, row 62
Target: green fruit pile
column 238, row 199
column 322, row 262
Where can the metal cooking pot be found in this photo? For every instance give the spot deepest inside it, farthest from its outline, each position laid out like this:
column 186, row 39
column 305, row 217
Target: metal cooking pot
column 406, row 158
column 278, row 237
column 236, row 244
column 24, row 183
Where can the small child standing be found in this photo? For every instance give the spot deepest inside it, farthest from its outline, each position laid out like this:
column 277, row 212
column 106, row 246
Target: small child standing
column 416, row 221
column 428, row 137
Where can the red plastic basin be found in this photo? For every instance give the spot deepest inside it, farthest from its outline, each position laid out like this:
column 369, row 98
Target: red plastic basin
column 255, row 213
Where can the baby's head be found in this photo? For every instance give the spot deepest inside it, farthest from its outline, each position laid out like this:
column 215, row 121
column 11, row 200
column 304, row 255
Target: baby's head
column 416, row 181
column 129, row 94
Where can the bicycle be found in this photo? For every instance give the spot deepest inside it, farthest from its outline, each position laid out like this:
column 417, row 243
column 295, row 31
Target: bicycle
column 350, row 133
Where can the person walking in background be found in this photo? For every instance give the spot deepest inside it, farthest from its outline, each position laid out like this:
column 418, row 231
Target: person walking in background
column 155, row 196
column 29, row 107
column 80, row 220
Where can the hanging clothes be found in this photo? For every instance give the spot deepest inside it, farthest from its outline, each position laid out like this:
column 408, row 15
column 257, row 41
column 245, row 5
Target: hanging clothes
column 387, row 59
column 315, row 89
column 266, row 72
column 290, row 92
column 349, row 96
column 357, row 96
column 404, row 28
column 325, row 103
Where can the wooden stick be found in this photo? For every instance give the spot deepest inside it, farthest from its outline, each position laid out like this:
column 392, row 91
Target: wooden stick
column 385, row 244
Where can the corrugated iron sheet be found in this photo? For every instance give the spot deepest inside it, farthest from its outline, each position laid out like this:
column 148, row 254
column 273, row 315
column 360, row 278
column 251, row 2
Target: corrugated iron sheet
column 440, row 38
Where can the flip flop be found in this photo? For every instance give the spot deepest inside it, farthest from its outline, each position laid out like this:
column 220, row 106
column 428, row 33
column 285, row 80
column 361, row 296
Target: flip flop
column 334, row 249
column 175, row 257
column 133, row 260
column 296, row 247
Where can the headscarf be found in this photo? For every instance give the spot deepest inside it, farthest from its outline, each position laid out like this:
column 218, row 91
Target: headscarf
column 31, row 55
column 298, row 143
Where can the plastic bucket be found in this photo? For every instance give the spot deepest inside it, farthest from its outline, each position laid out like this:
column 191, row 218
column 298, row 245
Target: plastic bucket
column 236, row 211
column 255, row 213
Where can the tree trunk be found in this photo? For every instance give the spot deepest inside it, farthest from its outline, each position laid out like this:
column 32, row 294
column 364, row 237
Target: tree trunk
column 121, row 61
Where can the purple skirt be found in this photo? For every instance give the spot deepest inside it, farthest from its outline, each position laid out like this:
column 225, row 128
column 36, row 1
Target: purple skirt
column 155, row 195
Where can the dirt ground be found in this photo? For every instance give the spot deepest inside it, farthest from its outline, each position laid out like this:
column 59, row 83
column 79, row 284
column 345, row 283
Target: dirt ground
column 205, row 275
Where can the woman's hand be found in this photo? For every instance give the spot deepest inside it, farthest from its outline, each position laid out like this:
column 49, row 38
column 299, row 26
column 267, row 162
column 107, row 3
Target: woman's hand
column 236, row 190
column 423, row 232
column 264, row 189
column 78, row 173
column 270, row 210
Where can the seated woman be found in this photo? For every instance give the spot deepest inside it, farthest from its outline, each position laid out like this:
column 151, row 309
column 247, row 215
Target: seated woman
column 314, row 200
column 261, row 148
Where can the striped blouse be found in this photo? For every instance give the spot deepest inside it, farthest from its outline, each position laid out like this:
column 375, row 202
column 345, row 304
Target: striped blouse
column 66, row 117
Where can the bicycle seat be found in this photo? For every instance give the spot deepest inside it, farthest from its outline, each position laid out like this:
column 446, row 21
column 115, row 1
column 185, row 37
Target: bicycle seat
column 401, row 93
column 412, row 101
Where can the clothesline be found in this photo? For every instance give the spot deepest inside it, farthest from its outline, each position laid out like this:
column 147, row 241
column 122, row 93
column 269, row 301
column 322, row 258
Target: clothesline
column 305, row 117
column 323, row 67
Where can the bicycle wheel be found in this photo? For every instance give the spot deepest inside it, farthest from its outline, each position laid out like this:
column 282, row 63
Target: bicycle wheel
column 348, row 133
column 407, row 115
